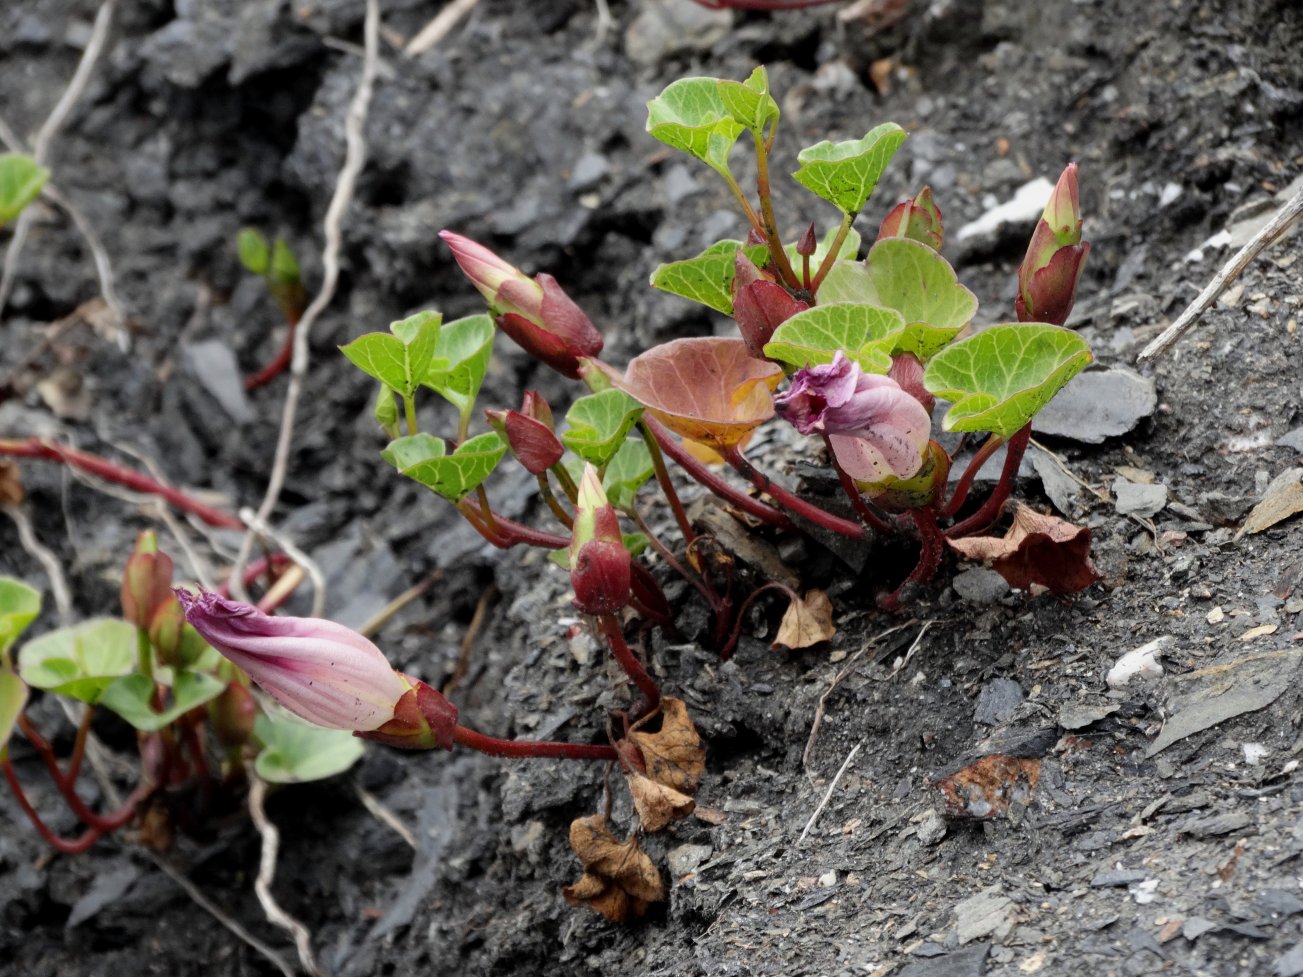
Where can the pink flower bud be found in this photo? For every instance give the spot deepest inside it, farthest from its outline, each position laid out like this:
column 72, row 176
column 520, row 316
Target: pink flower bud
column 531, row 441
column 535, row 312
column 146, row 581
column 918, row 219
column 423, row 720
column 535, row 406
column 1048, row 276
column 877, row 428
column 907, row 371
column 319, row 670
column 600, row 565
column 759, row 305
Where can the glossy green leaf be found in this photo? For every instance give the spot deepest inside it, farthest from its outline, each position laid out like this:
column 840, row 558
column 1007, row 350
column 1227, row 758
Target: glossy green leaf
column 385, row 410
column 598, row 424
column 81, row 661
column 21, row 182
column 294, row 752
column 691, row 115
column 627, row 472
column 19, row 606
column 461, row 358
column 13, row 697
column 749, row 102
column 401, row 358
column 846, row 173
column 998, row 379
column 424, row 458
column 865, row 333
column 911, row 278
column 254, row 253
column 131, row 697
column 707, row 278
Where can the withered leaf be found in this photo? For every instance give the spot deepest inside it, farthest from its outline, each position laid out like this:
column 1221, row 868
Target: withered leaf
column 657, row 804
column 619, row 880
column 11, row 483
column 807, row 621
column 674, row 754
column 1038, row 549
column 1284, row 498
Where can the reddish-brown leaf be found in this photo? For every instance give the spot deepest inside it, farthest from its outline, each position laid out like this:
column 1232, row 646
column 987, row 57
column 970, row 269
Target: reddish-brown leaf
column 1037, row 550
column 619, row 880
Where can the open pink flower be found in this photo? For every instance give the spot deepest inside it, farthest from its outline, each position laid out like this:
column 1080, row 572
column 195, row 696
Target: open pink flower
column 876, row 429
column 319, row 670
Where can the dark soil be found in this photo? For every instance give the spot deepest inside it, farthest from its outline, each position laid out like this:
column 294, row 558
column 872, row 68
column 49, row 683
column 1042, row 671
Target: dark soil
column 520, row 130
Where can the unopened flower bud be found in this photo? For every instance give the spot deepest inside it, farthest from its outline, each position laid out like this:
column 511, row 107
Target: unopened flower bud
column 1048, row 276
column 807, row 243
column 600, row 565
column 535, row 312
column 530, row 440
column 232, row 715
column 907, row 371
column 146, row 580
column 759, row 305
column 166, row 628
column 535, row 406
column 918, row 219
column 319, row 670
column 423, row 720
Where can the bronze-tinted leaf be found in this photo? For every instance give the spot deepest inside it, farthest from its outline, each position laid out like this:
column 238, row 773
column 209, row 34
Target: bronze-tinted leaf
column 1038, row 549
column 708, row 389
column 674, row 755
column 619, row 880
column 807, row 621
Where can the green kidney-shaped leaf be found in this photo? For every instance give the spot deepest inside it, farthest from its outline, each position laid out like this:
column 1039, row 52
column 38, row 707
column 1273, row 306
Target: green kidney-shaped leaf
column 13, row 696
column 425, row 459
column 19, row 605
column 21, row 182
column 599, row 423
column 626, row 473
column 254, row 253
column 461, row 358
column 692, row 116
column 707, row 278
column 294, row 752
column 910, row 277
column 132, row 698
column 81, row 661
column 400, row 359
column 998, row 379
column 845, row 173
column 865, row 333
column 748, row 102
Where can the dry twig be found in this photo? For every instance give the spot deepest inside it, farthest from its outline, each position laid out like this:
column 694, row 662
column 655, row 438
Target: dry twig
column 259, row 526
column 49, row 129
column 1274, row 228
column 267, row 872
column 437, row 29
column 828, row 794
column 354, row 159
column 381, row 813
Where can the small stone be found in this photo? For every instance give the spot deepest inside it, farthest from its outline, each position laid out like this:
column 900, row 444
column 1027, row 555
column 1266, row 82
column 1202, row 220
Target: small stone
column 1079, row 715
column 685, row 859
column 665, row 27
column 931, row 829
column 989, row 913
column 1116, row 878
column 214, row 365
column 1216, row 615
column 1098, row 405
column 997, row 701
column 588, row 171
column 1291, row 964
column 1140, row 662
column 1137, row 499
column 1197, row 926
column 1294, row 439
column 1217, row 824
column 980, row 585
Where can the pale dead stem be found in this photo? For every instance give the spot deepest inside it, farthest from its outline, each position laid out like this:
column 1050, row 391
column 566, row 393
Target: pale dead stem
column 40, row 152
column 354, row 159
column 437, row 29
column 49, row 562
column 828, row 793
column 257, row 525
column 1280, row 222
column 267, row 873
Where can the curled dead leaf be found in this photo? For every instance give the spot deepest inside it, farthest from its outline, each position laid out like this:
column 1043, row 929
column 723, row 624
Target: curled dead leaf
column 807, row 621
column 1038, row 549
column 619, row 880
column 674, row 755
column 657, row 804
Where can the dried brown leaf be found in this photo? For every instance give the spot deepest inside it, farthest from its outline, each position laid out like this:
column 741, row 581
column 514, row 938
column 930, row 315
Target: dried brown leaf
column 806, row 622
column 1038, row 549
column 11, row 483
column 657, row 804
column 1284, row 498
column 674, row 755
column 619, row 880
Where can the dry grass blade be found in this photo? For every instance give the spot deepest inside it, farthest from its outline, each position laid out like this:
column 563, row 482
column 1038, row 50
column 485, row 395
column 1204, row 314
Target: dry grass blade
column 437, row 29
column 828, row 793
column 267, row 872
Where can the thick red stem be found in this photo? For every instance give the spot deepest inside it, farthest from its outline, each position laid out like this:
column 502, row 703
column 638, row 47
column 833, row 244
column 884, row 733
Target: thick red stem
column 991, row 508
column 279, row 364
column 867, row 515
column 110, row 472
column 791, row 501
column 931, row 551
column 103, row 823
column 965, row 483
column 493, row 746
column 72, row 846
column 651, row 692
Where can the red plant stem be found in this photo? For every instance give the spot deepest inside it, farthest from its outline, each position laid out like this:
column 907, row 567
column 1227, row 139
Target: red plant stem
column 510, row 533
column 79, row 744
column 673, row 563
column 666, row 483
column 776, row 251
column 280, row 363
column 545, row 490
column 648, row 599
column 195, row 746
column 110, row 472
column 867, row 515
column 717, row 485
column 965, row 483
column 929, row 558
column 651, row 692
column 791, row 501
column 990, row 510
column 101, row 823
column 493, row 746
column 68, row 847
column 761, row 4
column 567, row 483
column 726, row 652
